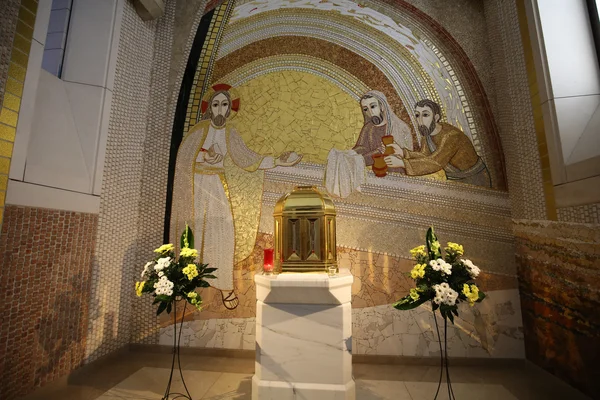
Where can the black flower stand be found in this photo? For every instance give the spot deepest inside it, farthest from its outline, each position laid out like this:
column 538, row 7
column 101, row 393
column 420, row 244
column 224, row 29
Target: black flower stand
column 176, row 342
column 444, row 367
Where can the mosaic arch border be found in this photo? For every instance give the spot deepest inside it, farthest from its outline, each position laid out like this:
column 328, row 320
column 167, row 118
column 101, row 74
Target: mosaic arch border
column 402, row 69
column 296, row 62
column 315, row 49
column 451, row 56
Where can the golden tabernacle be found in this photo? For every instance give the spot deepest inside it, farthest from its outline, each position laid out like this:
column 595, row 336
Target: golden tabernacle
column 305, row 231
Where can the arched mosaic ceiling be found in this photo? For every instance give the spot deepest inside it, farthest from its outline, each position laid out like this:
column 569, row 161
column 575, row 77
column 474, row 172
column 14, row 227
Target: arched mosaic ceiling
column 414, row 67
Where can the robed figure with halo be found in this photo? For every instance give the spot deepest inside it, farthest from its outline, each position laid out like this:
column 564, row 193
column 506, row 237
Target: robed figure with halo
column 219, row 180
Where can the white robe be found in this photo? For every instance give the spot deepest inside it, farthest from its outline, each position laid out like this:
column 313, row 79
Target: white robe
column 213, row 225
column 345, row 172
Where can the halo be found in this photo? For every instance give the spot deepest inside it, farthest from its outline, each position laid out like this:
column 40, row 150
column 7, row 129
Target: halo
column 221, row 87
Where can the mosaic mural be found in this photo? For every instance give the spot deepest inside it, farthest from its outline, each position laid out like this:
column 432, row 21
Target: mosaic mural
column 364, row 106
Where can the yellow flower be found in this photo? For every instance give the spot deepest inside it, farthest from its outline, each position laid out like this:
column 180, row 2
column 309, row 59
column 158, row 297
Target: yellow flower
column 187, row 252
column 414, row 294
column 192, row 295
column 418, row 271
column 418, row 251
column 165, row 248
column 190, row 271
column 456, row 248
column 139, row 286
column 472, row 293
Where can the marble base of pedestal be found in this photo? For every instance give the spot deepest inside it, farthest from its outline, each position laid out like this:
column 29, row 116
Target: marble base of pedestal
column 303, row 337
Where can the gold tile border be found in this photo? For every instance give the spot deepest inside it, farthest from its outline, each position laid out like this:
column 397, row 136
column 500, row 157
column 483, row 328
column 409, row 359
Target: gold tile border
column 536, row 106
column 202, row 78
column 13, row 93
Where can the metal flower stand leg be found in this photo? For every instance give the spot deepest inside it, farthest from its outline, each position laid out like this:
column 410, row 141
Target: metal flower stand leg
column 176, row 341
column 443, row 360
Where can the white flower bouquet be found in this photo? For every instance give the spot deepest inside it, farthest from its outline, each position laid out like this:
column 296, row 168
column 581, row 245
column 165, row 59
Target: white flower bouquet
column 444, row 280
column 168, row 278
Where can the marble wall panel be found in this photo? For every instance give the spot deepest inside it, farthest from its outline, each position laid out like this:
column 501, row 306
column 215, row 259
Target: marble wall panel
column 559, row 281
column 492, row 329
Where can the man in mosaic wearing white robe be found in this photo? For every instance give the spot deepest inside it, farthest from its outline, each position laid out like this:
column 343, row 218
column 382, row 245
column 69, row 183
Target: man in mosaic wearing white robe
column 218, row 178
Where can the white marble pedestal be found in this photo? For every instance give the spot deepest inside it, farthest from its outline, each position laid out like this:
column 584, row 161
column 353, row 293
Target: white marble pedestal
column 303, row 337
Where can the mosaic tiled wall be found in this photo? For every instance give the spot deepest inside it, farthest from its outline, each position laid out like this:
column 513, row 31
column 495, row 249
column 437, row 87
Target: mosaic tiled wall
column 8, row 18
column 515, row 113
column 557, row 262
column 586, row 214
column 46, row 263
column 169, row 42
column 478, row 217
column 559, row 279
column 490, row 330
column 113, row 269
column 17, row 21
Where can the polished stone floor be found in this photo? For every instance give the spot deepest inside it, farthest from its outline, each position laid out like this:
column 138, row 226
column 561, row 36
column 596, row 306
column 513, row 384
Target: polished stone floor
column 141, row 375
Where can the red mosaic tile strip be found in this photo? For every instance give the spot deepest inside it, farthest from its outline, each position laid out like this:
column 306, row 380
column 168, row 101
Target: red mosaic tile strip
column 46, row 265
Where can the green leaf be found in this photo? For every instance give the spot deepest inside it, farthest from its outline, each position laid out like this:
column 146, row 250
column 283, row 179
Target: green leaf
column 455, row 311
column 161, row 308
column 433, row 245
column 187, row 238
column 481, row 297
column 169, row 308
column 209, row 270
column 163, row 297
column 451, row 317
column 155, row 301
column 209, row 276
column 408, row 303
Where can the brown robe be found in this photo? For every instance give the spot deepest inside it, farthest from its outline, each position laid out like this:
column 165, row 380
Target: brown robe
column 454, row 153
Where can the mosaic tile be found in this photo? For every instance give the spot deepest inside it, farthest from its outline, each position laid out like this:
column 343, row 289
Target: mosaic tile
column 586, row 214
column 515, row 115
column 393, row 17
column 46, row 258
column 559, row 281
column 109, row 328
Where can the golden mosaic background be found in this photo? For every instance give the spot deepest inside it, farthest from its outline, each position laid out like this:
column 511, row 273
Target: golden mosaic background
column 297, row 111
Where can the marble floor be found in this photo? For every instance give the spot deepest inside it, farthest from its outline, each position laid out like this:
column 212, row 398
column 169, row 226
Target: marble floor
column 143, row 376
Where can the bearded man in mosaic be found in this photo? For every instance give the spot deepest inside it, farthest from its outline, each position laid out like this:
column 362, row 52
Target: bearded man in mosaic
column 380, row 121
column 218, row 179
column 445, row 148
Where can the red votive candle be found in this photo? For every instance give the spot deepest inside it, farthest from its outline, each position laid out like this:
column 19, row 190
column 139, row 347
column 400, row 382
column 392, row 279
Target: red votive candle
column 268, row 261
